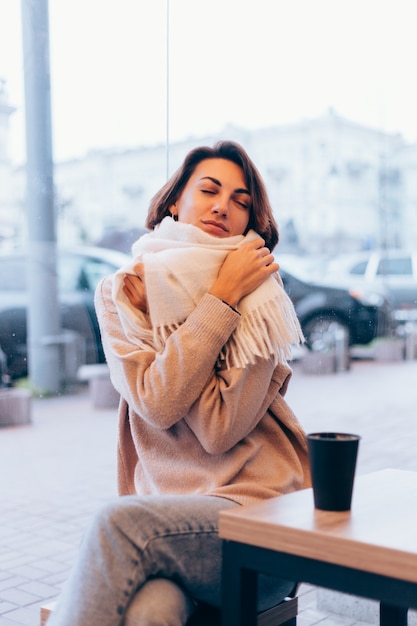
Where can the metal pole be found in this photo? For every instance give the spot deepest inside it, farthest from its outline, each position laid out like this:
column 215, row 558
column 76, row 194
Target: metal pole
column 167, row 86
column 44, row 347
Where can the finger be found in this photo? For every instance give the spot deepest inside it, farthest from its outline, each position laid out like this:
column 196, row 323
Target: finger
column 132, row 284
column 138, row 269
column 254, row 244
column 126, row 290
column 259, row 243
column 129, row 286
column 133, row 281
column 265, row 256
column 133, row 298
column 268, row 258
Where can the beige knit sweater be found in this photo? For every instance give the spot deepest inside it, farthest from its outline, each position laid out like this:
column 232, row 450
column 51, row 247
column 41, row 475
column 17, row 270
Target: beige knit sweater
column 188, row 427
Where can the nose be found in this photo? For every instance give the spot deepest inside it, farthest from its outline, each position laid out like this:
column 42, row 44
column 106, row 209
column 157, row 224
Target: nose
column 220, row 207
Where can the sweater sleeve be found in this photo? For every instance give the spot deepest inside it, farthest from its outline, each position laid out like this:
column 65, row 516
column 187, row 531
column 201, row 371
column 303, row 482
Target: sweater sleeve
column 233, row 402
column 162, row 386
column 182, row 382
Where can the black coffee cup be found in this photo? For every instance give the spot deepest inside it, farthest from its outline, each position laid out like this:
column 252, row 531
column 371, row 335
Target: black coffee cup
column 333, row 465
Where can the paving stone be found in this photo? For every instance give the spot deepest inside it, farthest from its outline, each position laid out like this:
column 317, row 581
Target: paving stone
column 30, row 571
column 38, row 589
column 11, row 582
column 51, row 566
column 23, row 616
column 6, row 606
column 5, row 621
column 17, row 596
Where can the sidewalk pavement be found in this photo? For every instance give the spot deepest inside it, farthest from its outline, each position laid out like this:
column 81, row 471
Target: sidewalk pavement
column 57, row 471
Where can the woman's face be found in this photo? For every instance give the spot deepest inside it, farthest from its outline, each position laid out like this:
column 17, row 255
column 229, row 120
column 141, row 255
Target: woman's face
column 216, row 199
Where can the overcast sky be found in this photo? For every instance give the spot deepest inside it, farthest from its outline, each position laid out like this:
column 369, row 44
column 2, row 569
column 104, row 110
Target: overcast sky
column 249, row 63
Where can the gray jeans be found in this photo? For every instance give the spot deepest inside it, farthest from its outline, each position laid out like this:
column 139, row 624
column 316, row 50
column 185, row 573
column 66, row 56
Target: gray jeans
column 146, row 561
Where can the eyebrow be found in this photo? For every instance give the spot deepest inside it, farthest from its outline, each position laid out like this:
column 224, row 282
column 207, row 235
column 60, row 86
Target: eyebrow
column 217, row 182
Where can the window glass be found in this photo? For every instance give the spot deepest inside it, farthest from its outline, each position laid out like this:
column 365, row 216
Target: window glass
column 70, row 273
column 359, row 269
column 94, row 270
column 135, row 85
column 400, row 266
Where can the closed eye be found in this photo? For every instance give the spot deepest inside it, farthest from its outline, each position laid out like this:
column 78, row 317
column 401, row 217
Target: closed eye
column 242, row 203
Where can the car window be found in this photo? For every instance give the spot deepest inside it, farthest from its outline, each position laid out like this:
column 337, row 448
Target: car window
column 82, row 273
column 69, row 273
column 359, row 269
column 400, row 266
column 94, row 270
column 13, row 275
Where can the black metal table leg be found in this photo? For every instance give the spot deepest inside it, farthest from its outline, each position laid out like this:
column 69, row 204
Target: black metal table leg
column 243, row 562
column 239, row 589
column 392, row 615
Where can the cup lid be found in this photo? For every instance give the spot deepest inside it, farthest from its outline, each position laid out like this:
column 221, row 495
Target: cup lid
column 334, row 436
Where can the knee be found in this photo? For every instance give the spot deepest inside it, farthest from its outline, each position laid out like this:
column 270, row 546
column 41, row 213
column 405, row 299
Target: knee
column 159, row 602
column 112, row 515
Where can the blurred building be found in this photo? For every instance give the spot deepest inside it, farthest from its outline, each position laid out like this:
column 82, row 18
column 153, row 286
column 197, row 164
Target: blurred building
column 335, row 185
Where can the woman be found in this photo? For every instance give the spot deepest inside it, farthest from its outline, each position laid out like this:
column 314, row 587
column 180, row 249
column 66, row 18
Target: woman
column 197, row 333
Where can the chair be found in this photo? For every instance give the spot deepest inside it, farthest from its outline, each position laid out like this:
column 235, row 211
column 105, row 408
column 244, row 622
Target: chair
column 283, row 614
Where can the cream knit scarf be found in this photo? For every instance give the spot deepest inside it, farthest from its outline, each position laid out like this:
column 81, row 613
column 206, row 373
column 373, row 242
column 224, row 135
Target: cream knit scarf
column 181, row 262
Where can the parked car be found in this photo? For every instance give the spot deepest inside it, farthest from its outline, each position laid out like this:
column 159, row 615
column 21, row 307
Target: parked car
column 394, row 271
column 321, row 309
column 79, row 271
column 324, row 310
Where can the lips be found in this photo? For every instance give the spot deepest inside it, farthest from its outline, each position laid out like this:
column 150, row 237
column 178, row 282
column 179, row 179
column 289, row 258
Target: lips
column 215, row 224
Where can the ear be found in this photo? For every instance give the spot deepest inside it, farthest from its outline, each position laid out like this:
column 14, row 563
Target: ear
column 173, row 209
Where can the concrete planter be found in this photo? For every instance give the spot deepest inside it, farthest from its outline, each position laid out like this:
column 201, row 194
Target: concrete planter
column 103, row 394
column 319, row 363
column 356, row 608
column 410, row 341
column 15, row 407
column 389, row 350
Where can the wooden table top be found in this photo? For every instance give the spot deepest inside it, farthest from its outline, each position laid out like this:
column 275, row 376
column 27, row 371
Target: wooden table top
column 378, row 535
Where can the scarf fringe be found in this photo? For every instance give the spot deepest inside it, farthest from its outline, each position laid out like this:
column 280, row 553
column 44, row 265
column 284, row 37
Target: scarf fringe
column 161, row 335
column 261, row 333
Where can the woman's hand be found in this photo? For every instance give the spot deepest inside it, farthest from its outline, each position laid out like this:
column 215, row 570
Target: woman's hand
column 134, row 288
column 243, row 270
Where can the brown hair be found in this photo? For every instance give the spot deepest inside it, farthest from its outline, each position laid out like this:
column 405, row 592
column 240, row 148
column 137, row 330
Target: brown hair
column 261, row 217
